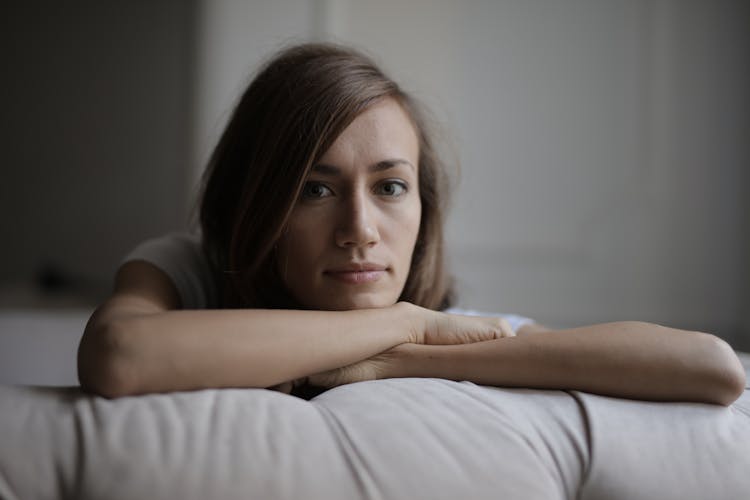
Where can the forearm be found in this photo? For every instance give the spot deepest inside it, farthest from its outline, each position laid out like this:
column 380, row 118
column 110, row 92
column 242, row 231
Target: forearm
column 186, row 350
column 626, row 359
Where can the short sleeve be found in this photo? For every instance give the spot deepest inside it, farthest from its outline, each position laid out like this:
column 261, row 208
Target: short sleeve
column 514, row 320
column 179, row 255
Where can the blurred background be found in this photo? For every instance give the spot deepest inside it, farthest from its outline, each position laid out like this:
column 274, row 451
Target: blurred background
column 604, row 144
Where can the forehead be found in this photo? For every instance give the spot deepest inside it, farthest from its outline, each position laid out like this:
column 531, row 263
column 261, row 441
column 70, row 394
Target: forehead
column 383, row 130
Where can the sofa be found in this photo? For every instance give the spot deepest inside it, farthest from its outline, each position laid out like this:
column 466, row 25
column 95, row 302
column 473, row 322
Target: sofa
column 388, row 439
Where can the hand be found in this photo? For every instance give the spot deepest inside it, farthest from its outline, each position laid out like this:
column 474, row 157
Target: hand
column 439, row 328
column 287, row 387
column 383, row 365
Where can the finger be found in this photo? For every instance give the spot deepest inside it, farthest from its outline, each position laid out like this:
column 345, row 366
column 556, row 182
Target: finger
column 285, row 387
column 505, row 329
column 325, row 379
column 498, row 328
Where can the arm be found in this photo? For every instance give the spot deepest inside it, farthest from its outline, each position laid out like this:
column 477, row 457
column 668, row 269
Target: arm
column 626, row 359
column 139, row 342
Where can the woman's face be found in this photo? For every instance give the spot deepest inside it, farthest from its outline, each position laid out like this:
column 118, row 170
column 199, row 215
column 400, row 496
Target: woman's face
column 350, row 238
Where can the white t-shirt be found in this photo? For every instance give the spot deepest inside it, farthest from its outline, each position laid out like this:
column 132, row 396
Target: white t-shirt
column 179, row 256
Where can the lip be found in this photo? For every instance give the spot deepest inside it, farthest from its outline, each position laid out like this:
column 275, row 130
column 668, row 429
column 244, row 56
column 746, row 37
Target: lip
column 357, row 273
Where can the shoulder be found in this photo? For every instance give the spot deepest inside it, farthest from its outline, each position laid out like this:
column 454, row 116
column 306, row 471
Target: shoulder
column 173, row 242
column 179, row 255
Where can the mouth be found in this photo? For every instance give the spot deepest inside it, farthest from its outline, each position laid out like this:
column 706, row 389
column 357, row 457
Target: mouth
column 355, row 274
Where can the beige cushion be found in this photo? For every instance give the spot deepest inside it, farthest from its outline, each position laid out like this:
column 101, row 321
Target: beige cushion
column 391, row 439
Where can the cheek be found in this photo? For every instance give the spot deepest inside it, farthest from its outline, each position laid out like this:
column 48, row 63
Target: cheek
column 302, row 242
column 405, row 230
column 416, row 218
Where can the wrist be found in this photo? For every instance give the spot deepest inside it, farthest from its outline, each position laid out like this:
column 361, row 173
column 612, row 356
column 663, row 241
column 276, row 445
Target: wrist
column 411, row 322
column 412, row 360
column 451, row 362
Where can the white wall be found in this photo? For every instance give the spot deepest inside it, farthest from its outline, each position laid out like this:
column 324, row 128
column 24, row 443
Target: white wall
column 232, row 38
column 604, row 166
column 603, row 142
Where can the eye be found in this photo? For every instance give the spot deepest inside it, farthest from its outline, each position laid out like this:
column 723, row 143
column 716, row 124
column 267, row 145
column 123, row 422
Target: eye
column 391, row 188
column 313, row 190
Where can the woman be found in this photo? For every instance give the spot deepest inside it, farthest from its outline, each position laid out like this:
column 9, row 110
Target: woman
column 322, row 264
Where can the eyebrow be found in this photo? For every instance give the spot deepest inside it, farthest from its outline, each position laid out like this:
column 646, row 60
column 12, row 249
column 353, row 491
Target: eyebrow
column 325, row 169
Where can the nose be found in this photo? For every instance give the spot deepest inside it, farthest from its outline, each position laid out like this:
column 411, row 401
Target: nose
column 357, row 225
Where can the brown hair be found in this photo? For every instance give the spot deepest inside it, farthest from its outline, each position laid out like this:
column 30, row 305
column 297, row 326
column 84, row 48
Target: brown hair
column 294, row 109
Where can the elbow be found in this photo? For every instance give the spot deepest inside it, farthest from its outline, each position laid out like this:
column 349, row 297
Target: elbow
column 104, row 366
column 728, row 373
